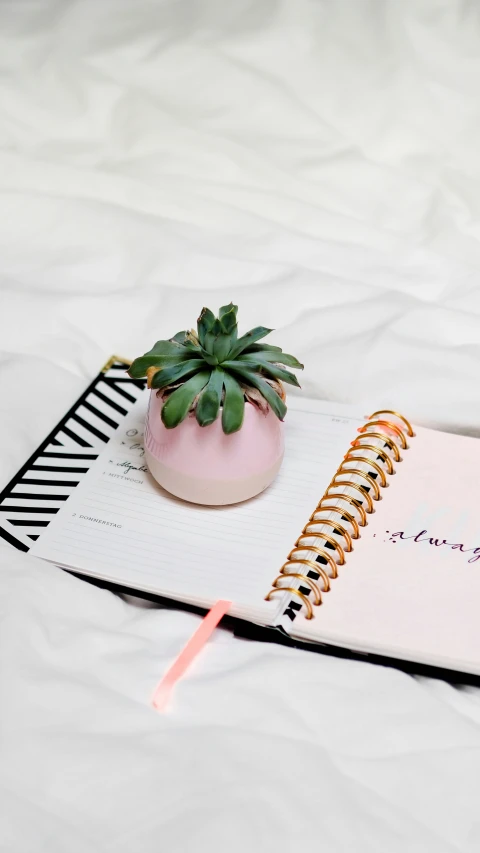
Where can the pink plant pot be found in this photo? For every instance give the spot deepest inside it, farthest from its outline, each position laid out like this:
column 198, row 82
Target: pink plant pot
column 203, row 465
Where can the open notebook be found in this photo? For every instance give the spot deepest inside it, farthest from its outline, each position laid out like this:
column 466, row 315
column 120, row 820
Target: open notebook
column 382, row 557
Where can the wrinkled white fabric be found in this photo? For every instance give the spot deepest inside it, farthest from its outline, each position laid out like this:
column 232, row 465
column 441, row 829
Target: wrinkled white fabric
column 316, row 162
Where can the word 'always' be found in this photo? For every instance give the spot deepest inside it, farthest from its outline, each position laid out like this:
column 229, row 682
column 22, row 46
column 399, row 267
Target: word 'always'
column 437, row 543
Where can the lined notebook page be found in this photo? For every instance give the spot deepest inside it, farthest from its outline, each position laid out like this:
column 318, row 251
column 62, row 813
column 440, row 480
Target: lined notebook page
column 121, row 526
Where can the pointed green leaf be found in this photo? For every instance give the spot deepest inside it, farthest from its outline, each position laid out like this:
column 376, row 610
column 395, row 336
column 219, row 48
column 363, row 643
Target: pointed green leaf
column 225, row 309
column 261, row 348
column 228, row 321
column 169, row 375
column 207, row 408
column 249, row 377
column 169, row 347
column 209, row 401
column 208, row 342
column 221, row 347
column 274, row 357
column 161, row 356
column 250, row 338
column 210, row 359
column 179, row 338
column 234, row 335
column 176, row 408
column 139, row 367
column 233, row 405
column 277, row 372
column 204, row 324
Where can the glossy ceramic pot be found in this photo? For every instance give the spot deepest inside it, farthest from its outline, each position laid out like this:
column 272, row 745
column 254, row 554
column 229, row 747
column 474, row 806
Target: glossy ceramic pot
column 205, row 466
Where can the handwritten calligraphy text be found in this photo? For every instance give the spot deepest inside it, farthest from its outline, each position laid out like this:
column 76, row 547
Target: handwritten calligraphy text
column 423, row 536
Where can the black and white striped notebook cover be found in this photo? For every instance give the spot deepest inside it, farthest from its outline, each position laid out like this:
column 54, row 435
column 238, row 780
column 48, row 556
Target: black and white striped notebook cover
column 36, row 493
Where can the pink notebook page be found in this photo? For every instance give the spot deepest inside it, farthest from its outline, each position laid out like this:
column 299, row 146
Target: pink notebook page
column 407, row 593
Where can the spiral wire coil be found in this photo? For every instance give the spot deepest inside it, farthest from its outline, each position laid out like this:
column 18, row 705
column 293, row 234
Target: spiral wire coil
column 302, row 564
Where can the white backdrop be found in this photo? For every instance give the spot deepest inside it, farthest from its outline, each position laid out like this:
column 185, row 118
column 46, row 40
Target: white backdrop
column 316, row 162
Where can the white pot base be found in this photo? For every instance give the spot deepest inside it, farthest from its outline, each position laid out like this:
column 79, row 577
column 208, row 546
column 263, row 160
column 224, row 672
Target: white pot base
column 210, row 492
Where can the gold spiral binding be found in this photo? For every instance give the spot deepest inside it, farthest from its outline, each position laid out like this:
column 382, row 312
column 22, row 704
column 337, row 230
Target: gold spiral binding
column 336, row 526
column 364, row 495
column 313, row 586
column 321, row 535
column 372, row 484
column 380, row 472
column 344, row 514
column 313, row 548
column 381, row 453
column 312, row 565
column 410, row 431
column 312, row 529
column 293, row 591
column 316, row 567
column 352, row 501
column 393, row 427
column 383, row 437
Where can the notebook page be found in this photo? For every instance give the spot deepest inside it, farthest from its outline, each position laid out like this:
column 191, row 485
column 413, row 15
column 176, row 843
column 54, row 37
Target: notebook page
column 411, row 588
column 121, row 526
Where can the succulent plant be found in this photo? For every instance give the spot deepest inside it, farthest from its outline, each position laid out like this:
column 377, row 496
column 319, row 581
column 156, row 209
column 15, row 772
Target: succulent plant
column 213, row 370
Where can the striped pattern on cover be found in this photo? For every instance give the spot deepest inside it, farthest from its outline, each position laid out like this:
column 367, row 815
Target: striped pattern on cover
column 35, row 494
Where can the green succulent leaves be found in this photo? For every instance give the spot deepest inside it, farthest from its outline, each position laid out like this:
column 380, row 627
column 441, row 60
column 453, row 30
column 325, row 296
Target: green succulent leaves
column 208, row 405
column 178, row 404
column 233, row 405
column 211, row 369
column 164, row 353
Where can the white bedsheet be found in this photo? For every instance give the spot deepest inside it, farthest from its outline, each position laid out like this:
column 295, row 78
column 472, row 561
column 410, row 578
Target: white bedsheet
column 318, row 163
